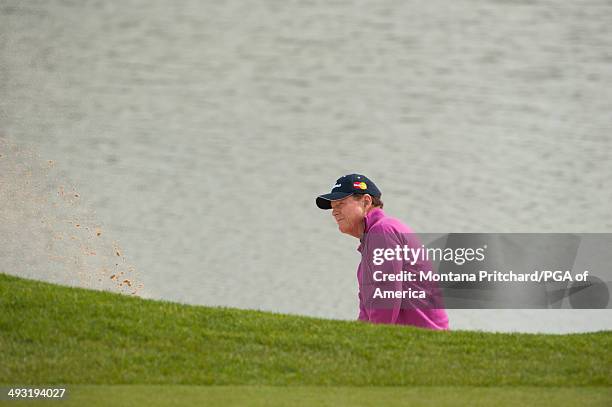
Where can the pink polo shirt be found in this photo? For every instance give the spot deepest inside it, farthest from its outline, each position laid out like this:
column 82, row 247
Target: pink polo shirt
column 382, row 231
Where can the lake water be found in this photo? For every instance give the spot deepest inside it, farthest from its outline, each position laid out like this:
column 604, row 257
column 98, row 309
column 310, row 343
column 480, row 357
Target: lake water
column 197, row 135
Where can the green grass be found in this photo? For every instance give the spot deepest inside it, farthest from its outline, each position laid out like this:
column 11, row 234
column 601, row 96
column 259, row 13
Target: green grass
column 51, row 334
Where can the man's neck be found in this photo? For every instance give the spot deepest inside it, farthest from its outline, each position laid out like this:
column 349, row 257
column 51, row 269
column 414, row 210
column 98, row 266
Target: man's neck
column 362, row 225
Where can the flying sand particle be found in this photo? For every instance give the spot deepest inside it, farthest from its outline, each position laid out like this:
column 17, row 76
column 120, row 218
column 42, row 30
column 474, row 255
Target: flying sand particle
column 67, row 250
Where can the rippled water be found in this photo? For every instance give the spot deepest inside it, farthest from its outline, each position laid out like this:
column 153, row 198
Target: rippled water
column 200, row 132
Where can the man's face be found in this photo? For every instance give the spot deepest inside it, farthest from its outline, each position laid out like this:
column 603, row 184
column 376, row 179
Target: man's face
column 349, row 214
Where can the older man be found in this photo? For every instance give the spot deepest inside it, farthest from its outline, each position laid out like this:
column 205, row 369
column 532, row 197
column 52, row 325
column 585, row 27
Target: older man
column 384, row 295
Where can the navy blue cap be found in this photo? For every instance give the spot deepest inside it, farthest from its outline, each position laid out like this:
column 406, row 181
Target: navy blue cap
column 347, row 186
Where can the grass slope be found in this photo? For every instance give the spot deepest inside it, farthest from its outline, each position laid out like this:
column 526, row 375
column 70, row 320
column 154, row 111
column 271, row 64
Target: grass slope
column 59, row 335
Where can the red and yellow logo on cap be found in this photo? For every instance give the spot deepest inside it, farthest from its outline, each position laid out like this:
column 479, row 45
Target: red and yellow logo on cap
column 360, row 185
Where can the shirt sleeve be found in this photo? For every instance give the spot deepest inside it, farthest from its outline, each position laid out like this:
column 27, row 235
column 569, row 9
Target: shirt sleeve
column 363, row 315
column 379, row 302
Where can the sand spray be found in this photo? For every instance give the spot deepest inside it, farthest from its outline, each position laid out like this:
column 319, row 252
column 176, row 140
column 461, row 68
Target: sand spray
column 48, row 232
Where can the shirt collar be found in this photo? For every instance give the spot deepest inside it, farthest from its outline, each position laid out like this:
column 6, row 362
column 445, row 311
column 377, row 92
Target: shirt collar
column 370, row 220
column 372, row 217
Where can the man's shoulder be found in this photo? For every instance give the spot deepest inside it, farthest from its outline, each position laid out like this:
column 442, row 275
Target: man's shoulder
column 390, row 224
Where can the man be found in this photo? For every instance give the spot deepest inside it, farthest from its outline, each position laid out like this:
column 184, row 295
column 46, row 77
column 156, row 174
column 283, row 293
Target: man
column 383, row 298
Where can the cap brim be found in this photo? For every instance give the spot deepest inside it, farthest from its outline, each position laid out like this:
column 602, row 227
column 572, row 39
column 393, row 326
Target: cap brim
column 324, row 201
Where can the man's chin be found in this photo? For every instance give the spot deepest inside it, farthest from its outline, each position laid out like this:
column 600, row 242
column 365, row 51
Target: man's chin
column 343, row 229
